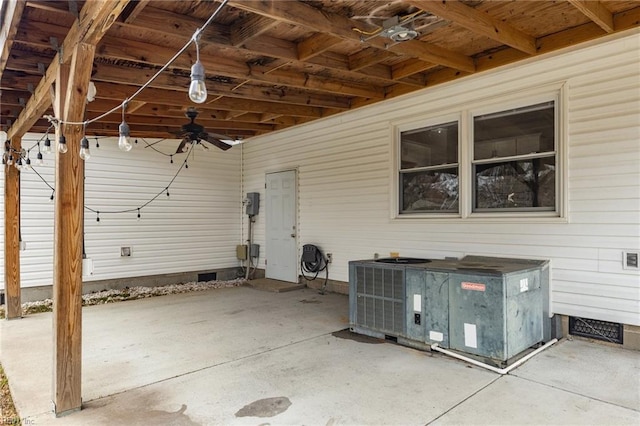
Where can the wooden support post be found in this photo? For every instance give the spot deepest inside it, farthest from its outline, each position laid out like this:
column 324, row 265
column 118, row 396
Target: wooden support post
column 12, row 235
column 71, row 89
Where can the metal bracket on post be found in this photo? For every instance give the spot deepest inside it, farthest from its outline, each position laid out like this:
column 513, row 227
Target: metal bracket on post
column 41, row 69
column 73, row 8
column 57, row 47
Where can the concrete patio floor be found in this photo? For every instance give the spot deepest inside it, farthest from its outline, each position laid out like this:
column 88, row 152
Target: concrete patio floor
column 243, row 356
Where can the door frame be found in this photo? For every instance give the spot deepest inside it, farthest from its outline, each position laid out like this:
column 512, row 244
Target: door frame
column 295, row 215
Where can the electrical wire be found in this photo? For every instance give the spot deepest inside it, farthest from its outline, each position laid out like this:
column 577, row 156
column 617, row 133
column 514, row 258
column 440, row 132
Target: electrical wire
column 193, row 39
column 130, row 210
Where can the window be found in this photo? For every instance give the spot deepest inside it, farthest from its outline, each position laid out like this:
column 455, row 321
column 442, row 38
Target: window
column 514, row 159
column 429, row 169
column 489, row 161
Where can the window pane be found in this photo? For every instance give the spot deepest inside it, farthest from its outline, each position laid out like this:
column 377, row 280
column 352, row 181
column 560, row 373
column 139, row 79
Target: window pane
column 516, row 184
column 520, row 131
column 429, row 146
column 430, row 191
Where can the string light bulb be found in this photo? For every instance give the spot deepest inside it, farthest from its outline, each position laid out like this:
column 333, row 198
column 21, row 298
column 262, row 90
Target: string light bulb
column 97, row 144
column 123, row 140
column 18, row 163
column 39, row 160
column 46, row 149
column 85, row 154
column 27, row 164
column 9, row 160
column 62, row 144
column 197, row 88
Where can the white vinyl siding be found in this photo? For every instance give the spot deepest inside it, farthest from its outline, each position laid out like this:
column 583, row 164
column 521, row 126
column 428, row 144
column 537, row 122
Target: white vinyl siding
column 347, row 180
column 196, row 228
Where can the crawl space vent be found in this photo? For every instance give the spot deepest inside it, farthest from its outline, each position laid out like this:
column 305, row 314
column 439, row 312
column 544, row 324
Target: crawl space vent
column 209, row 276
column 595, row 329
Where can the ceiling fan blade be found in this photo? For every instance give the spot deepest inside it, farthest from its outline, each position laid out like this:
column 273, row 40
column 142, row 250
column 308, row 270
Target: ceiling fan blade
column 214, row 141
column 149, row 145
column 183, row 143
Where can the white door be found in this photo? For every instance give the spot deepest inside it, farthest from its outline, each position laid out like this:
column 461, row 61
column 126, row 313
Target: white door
column 281, row 242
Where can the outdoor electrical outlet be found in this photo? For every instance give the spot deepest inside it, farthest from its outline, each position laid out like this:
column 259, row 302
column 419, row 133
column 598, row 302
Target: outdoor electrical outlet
column 125, row 251
column 329, row 257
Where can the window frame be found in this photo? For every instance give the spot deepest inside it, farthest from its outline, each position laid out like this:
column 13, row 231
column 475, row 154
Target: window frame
column 464, row 113
column 505, row 107
column 398, row 170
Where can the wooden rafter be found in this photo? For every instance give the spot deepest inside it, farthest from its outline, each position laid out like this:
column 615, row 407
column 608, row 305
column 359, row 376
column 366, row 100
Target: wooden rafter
column 251, row 27
column 479, row 23
column 298, row 13
column 12, row 13
column 94, row 21
column 597, row 12
column 135, row 11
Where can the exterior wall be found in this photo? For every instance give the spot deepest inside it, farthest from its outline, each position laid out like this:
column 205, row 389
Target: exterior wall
column 346, row 191
column 196, row 228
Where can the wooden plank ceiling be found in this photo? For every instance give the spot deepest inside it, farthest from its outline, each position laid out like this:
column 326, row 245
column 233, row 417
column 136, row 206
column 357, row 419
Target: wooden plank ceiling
column 275, row 64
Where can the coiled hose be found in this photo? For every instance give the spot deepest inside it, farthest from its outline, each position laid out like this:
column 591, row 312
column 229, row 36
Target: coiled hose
column 315, row 266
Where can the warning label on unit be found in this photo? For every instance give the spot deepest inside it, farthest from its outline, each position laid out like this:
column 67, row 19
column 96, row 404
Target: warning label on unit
column 473, row 286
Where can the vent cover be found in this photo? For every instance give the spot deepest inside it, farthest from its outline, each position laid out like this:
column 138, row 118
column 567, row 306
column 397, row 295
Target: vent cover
column 207, row 276
column 595, row 329
column 380, row 299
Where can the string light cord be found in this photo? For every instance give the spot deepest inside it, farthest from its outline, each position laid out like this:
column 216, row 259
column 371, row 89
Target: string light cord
column 155, row 197
column 134, row 209
column 193, row 39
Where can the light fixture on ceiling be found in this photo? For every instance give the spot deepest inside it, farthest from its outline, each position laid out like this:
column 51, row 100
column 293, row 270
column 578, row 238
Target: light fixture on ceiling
column 396, row 31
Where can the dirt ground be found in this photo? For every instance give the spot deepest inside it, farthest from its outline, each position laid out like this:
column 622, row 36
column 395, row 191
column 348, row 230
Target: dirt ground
column 8, row 415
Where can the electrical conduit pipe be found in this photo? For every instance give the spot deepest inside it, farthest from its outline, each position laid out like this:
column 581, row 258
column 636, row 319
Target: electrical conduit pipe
column 505, row 370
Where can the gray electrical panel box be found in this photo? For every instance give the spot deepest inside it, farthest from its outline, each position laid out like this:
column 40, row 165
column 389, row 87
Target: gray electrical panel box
column 253, row 203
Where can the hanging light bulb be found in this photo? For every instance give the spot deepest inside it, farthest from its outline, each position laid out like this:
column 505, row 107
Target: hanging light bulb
column 123, row 129
column 85, row 154
column 187, row 146
column 197, row 88
column 27, row 165
column 97, row 144
column 18, row 163
column 39, row 160
column 9, row 160
column 138, row 215
column 62, row 144
column 46, row 149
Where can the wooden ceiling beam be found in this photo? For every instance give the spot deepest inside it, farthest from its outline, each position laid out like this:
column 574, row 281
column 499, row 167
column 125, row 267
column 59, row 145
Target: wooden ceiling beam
column 95, row 20
column 138, row 5
column 250, row 27
column 215, row 64
column 155, row 20
column 301, row 14
column 315, row 45
column 180, row 83
column 597, row 12
column 176, row 122
column 409, row 67
column 12, row 13
column 479, row 23
column 367, row 57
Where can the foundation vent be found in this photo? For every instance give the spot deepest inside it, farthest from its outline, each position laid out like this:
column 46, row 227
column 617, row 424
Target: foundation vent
column 595, row 329
column 209, row 276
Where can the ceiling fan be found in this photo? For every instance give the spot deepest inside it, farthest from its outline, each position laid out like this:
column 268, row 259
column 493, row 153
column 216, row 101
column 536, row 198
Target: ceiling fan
column 194, row 133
